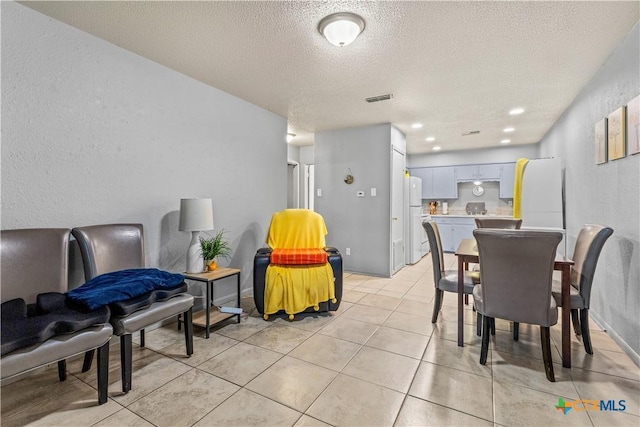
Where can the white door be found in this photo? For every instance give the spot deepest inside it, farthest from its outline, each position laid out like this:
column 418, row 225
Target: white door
column 397, row 210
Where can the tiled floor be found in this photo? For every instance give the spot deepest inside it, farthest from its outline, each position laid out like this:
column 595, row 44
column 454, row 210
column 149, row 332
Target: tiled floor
column 378, row 361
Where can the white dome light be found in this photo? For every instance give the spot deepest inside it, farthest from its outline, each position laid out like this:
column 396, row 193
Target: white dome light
column 516, row 111
column 341, row 28
column 430, row 139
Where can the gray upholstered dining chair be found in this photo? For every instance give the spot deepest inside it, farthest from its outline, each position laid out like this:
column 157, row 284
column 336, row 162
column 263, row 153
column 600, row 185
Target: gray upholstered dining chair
column 502, row 223
column 35, row 270
column 516, row 277
column 444, row 280
column 114, row 247
column 589, row 243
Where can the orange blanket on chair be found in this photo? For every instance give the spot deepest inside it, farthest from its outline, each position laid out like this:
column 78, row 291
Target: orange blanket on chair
column 299, row 256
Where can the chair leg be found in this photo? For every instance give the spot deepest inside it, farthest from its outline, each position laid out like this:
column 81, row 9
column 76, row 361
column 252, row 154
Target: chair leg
column 141, row 337
column 516, row 331
column 545, row 339
column 436, row 305
column 88, row 360
column 126, row 361
column 188, row 330
column 575, row 321
column 478, row 324
column 62, row 370
column 103, row 373
column 492, row 325
column 466, row 299
column 484, row 349
column 179, row 321
column 584, row 325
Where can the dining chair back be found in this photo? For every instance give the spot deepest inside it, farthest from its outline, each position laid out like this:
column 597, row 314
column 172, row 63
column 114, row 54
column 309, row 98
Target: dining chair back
column 589, row 244
column 516, row 272
column 502, row 223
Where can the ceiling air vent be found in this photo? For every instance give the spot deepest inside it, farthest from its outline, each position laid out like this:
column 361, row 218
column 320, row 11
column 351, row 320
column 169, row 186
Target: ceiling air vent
column 473, row 132
column 379, row 98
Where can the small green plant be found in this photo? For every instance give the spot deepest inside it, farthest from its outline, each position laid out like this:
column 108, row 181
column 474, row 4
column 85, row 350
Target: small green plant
column 215, row 246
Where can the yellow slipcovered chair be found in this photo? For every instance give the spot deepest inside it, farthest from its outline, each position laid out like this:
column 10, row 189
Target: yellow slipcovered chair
column 297, row 272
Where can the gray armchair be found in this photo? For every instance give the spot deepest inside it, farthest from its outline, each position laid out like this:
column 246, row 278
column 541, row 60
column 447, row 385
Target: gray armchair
column 114, row 247
column 35, row 269
column 589, row 244
column 516, row 275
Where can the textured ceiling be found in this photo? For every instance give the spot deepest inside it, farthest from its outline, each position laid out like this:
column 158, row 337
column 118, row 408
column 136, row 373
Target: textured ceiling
column 453, row 66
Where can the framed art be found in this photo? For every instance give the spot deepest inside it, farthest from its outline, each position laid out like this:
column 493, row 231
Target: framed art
column 616, row 134
column 633, row 119
column 601, row 142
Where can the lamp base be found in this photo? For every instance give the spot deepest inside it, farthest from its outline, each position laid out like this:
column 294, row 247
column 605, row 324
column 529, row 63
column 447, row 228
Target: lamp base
column 195, row 263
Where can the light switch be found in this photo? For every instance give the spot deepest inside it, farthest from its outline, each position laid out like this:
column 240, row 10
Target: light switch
column 360, row 193
column 374, row 192
column 319, row 192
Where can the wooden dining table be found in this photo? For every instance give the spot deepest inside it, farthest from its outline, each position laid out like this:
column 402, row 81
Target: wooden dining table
column 467, row 252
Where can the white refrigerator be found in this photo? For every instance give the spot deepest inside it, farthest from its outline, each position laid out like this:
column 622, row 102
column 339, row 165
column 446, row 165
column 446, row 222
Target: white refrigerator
column 413, row 230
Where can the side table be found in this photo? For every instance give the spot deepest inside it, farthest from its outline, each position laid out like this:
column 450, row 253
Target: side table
column 211, row 315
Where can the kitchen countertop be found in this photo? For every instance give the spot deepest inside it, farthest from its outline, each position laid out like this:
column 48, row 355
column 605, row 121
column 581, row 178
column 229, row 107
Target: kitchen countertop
column 471, row 216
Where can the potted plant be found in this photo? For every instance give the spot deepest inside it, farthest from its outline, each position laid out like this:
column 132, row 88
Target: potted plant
column 213, row 247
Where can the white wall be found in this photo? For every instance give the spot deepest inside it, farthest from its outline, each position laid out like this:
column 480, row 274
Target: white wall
column 361, row 224
column 504, row 154
column 95, row 134
column 606, row 194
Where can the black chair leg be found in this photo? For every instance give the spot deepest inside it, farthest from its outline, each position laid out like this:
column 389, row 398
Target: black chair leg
column 188, row 330
column 575, row 321
column 584, row 325
column 492, row 325
column 436, row 305
column 103, row 373
column 466, row 299
column 516, row 331
column 126, row 361
column 484, row 349
column 179, row 321
column 62, row 370
column 141, row 337
column 545, row 339
column 478, row 324
column 88, row 359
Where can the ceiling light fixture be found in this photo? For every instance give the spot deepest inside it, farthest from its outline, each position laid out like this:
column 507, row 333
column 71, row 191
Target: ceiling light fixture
column 507, row 130
column 516, row 111
column 436, row 148
column 505, row 141
column 430, row 139
column 290, row 137
column 416, row 125
column 341, row 28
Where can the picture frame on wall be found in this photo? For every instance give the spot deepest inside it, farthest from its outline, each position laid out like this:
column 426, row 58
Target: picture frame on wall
column 633, row 120
column 616, row 134
column 601, row 141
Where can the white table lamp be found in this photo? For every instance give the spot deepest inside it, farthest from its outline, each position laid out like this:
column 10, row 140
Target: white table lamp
column 196, row 215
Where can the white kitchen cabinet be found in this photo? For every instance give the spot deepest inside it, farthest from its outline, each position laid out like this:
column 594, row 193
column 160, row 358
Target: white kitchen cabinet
column 507, row 178
column 437, row 182
column 453, row 229
column 469, row 173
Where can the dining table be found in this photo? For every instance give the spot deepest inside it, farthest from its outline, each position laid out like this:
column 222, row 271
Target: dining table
column 467, row 252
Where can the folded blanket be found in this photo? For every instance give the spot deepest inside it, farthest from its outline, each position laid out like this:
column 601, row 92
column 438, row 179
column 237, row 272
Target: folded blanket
column 123, row 285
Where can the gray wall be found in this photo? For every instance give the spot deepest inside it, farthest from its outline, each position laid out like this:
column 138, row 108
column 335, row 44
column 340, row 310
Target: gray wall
column 471, row 157
column 94, row 134
column 362, row 224
column 605, row 194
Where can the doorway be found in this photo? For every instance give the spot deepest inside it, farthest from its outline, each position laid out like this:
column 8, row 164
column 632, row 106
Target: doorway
column 293, row 179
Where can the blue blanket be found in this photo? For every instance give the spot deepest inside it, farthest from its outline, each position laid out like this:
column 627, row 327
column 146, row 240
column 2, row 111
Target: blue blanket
column 123, row 285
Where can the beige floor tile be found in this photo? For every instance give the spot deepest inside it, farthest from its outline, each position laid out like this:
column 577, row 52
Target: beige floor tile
column 243, row 330
column 366, row 290
column 364, row 313
column 352, row 402
column 386, row 293
column 43, row 400
column 160, row 338
column 353, row 296
column 613, row 419
column 124, row 417
column 417, row 308
column 529, row 372
column 248, row 409
column 418, row 412
column 449, row 331
column 203, row 349
column 454, row 389
column 410, row 323
column 383, row 368
column 278, row 338
column 597, row 386
column 312, row 322
column 447, row 353
column 399, row 342
column 196, row 390
column 399, row 286
column 326, row 351
column 229, row 364
column 380, row 301
column 606, row 362
column 527, row 345
column 424, row 300
column 349, row 330
column 292, row 382
column 376, row 282
column 521, row 406
column 307, row 421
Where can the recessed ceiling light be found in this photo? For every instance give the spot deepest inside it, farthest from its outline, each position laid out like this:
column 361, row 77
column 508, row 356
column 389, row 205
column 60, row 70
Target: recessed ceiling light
column 516, row 111
column 507, row 130
column 505, row 141
column 416, row 125
column 430, row 139
column 290, row 137
column 436, row 148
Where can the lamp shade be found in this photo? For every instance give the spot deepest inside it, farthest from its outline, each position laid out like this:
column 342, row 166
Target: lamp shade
column 196, row 215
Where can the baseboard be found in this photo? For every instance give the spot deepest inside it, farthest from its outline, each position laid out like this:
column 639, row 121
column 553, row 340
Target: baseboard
column 606, row 328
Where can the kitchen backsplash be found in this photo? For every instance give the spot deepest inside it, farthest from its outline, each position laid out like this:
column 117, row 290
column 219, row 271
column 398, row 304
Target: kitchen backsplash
column 491, row 198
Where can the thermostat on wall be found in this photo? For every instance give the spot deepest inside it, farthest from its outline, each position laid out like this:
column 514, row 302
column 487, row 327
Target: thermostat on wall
column 360, row 193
